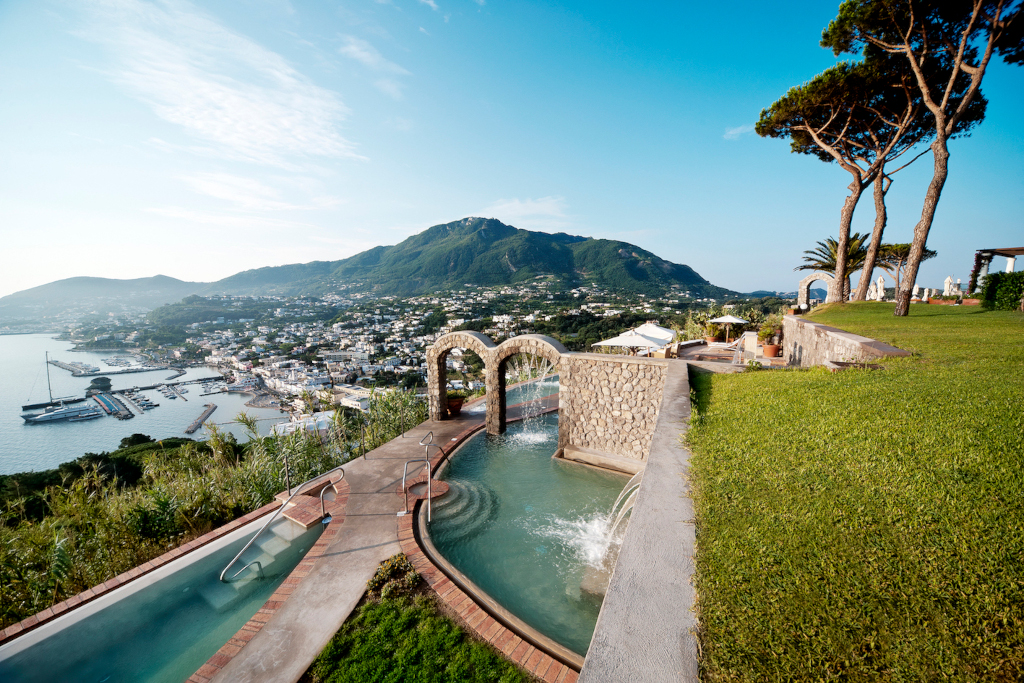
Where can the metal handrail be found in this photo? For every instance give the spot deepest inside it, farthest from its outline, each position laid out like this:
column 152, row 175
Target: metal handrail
column 286, row 473
column 405, row 472
column 332, row 485
column 259, row 567
column 274, row 516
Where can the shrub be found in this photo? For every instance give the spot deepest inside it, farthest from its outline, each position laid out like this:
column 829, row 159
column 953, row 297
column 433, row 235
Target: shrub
column 1003, row 291
column 408, row 641
column 395, row 565
column 391, row 589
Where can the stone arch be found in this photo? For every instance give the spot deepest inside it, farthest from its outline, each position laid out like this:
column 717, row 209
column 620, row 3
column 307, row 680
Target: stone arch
column 437, row 357
column 537, row 344
column 494, row 358
column 803, row 296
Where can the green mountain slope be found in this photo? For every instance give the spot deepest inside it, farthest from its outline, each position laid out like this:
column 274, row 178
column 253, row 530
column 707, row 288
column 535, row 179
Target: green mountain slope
column 479, row 251
column 476, row 251
column 74, row 294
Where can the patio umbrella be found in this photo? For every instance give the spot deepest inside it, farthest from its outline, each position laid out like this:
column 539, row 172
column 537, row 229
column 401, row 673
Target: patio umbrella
column 728, row 320
column 632, row 340
column 655, row 332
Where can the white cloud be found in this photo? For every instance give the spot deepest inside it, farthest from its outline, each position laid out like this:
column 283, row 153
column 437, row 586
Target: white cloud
column 245, row 101
column 546, row 213
column 389, row 87
column 424, row 31
column 369, row 56
column 733, row 133
column 245, row 193
column 430, row 3
column 249, row 194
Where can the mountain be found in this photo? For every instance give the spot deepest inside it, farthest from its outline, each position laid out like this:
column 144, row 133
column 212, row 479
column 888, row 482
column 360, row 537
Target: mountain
column 78, row 295
column 478, row 251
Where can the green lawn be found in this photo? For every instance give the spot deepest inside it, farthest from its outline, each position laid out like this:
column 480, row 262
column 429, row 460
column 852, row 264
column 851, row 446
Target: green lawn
column 867, row 525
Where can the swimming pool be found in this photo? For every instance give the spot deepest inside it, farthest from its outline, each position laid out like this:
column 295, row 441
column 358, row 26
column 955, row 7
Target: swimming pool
column 161, row 627
column 524, row 527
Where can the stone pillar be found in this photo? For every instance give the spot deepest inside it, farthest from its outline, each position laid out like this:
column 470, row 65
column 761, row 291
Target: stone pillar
column 565, row 407
column 1010, row 261
column 437, row 392
column 494, row 378
column 986, row 259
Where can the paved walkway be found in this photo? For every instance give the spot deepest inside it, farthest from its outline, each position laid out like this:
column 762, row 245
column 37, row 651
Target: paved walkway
column 287, row 645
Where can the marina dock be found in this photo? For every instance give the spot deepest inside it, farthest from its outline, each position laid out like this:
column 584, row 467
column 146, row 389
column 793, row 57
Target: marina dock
column 82, row 370
column 198, row 422
column 112, row 405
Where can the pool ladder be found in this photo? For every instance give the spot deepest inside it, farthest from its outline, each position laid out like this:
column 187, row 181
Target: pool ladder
column 278, row 511
column 427, row 441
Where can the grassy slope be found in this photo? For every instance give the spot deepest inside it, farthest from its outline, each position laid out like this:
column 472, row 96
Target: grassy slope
column 868, row 525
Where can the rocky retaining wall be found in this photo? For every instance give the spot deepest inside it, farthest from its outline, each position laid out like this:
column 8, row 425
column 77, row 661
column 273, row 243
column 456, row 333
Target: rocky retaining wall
column 610, row 403
column 806, row 344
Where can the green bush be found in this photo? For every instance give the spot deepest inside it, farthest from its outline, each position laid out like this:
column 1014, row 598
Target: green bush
column 110, row 512
column 408, row 641
column 1003, row 291
column 395, row 565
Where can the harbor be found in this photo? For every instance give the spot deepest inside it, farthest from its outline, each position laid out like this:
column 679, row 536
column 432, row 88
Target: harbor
column 24, row 382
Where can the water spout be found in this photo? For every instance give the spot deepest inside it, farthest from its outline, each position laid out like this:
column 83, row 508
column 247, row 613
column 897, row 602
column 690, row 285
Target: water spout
column 598, row 574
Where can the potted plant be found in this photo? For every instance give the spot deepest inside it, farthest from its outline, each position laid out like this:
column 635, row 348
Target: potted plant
column 712, row 332
column 769, row 335
column 455, row 400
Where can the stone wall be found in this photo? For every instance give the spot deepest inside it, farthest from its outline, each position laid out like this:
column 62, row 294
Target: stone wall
column 610, row 403
column 805, row 344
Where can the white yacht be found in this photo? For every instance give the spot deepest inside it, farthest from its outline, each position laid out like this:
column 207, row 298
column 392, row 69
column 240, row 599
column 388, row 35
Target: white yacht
column 62, row 412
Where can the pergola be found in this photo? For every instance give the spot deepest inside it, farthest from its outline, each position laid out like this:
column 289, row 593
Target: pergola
column 986, row 256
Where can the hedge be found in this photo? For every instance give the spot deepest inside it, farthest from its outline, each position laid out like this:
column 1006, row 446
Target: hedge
column 1003, row 291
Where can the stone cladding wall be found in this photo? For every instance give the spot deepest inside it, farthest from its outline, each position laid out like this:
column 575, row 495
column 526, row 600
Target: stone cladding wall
column 610, row 403
column 805, row 344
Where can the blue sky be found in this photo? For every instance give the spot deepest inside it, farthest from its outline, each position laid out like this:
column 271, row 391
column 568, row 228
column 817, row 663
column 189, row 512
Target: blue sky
column 197, row 140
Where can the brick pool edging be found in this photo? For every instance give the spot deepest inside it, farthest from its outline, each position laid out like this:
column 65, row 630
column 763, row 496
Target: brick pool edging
column 476, row 617
column 336, row 509
column 87, row 596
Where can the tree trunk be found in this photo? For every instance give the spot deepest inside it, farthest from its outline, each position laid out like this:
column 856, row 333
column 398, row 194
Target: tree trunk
column 836, row 290
column 882, row 184
column 931, row 202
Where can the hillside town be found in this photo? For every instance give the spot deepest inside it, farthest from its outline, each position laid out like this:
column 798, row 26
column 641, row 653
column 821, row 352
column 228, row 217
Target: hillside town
column 294, row 348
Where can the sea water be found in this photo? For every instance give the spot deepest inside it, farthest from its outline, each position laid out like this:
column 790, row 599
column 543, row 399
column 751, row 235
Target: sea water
column 29, row 447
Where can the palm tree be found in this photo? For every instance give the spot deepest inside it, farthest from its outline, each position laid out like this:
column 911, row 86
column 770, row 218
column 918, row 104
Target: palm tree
column 823, row 258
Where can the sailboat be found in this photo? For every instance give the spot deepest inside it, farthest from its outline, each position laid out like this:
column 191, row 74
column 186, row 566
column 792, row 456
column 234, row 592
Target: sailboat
column 52, row 403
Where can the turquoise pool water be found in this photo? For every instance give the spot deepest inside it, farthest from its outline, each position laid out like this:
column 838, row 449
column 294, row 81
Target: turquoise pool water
column 164, row 629
column 524, row 527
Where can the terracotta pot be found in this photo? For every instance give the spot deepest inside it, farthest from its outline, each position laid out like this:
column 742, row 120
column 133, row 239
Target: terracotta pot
column 455, row 406
column 710, row 339
column 772, row 350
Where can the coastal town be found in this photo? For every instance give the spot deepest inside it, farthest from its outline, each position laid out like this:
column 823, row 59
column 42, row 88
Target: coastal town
column 299, row 352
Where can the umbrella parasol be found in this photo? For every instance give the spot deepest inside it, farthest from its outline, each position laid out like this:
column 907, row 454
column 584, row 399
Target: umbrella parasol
column 632, row 340
column 728, row 320
column 655, row 332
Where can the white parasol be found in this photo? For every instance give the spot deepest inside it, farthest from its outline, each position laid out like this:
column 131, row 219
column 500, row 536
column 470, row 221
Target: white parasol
column 632, row 340
column 729, row 320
